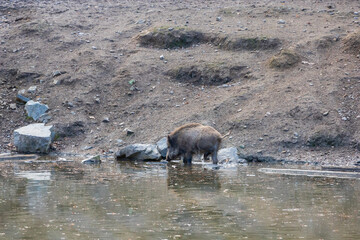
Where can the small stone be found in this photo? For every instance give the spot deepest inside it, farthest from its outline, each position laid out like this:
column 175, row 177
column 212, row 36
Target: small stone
column 356, row 13
column 22, row 99
column 13, row 106
column 56, row 73
column 141, row 21
column 326, row 113
column 128, row 132
column 87, row 148
column 22, row 91
column 218, row 19
column 32, row 89
column 92, row 160
column 69, row 104
column 106, row 120
column 94, row 48
column 44, row 118
column 119, row 142
column 57, row 81
column 170, row 29
column 97, row 100
column 162, row 57
column 281, row 21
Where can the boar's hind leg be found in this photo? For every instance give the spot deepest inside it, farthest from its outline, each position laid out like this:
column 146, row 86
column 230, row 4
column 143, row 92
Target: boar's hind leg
column 187, row 158
column 206, row 156
column 214, row 157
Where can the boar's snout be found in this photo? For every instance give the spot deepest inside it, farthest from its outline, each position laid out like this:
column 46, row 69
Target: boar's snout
column 171, row 154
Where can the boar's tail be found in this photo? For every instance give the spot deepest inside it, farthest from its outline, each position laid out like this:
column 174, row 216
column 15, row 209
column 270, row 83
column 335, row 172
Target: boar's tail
column 226, row 135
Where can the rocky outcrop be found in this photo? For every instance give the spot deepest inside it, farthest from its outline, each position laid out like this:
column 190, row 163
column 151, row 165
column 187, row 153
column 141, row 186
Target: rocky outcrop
column 139, row 152
column 34, row 138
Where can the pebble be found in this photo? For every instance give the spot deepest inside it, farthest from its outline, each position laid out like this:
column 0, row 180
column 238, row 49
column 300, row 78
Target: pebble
column 13, row 106
column 128, row 132
column 141, row 21
column 21, row 98
column 32, row 89
column 57, row 73
column 22, row 91
column 281, row 21
column 87, row 148
column 57, row 81
column 218, row 19
column 119, row 142
column 106, row 120
column 162, row 57
column 94, row 48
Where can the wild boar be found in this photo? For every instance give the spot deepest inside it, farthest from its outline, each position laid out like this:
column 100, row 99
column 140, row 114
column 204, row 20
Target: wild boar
column 193, row 138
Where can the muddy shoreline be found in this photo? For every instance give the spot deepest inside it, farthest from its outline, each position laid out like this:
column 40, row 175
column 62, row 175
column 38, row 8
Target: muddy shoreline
column 283, row 76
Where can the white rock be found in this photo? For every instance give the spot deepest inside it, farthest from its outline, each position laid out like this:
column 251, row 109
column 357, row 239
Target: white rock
column 32, row 89
column 34, row 138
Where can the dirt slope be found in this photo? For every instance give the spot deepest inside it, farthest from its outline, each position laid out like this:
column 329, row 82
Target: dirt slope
column 88, row 62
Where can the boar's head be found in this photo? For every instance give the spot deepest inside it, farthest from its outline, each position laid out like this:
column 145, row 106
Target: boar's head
column 173, row 149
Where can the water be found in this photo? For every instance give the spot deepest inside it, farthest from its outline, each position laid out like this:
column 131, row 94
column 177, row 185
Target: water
column 159, row 201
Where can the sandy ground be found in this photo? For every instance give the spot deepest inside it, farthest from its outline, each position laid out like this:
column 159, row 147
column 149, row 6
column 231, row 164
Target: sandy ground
column 307, row 111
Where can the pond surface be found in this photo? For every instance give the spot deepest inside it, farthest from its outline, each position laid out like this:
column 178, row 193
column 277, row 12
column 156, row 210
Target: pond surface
column 159, row 201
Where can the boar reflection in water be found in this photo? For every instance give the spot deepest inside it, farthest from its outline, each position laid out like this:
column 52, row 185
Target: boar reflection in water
column 194, row 178
column 193, row 138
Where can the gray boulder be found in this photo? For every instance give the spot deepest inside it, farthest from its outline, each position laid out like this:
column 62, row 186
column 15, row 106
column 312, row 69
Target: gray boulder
column 162, row 146
column 139, row 152
column 34, row 138
column 229, row 155
column 35, row 109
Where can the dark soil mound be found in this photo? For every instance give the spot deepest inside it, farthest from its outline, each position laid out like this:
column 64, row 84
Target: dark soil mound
column 327, row 140
column 170, row 38
column 251, row 44
column 209, row 74
column 13, row 75
column 352, row 43
column 165, row 37
column 285, row 59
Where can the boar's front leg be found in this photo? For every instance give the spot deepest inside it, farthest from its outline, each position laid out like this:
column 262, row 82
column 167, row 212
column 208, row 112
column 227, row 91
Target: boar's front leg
column 187, row 158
